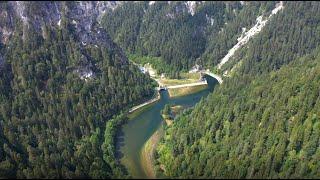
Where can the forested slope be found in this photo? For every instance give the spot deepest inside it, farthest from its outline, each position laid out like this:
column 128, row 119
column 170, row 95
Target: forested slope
column 263, row 122
column 58, row 92
column 64, row 82
column 180, row 33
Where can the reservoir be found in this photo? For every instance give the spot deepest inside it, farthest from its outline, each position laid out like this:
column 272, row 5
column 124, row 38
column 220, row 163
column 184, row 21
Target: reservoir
column 139, row 129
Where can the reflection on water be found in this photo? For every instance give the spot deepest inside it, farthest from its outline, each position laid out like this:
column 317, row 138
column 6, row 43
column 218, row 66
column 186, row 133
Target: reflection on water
column 137, row 131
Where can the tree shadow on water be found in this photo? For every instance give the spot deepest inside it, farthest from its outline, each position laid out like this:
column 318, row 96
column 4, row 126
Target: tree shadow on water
column 119, row 144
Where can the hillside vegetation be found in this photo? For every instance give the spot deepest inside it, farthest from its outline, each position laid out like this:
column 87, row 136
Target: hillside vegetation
column 263, row 122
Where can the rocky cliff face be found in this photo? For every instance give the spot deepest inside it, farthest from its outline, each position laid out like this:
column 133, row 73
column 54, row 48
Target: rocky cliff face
column 83, row 17
column 38, row 14
column 83, row 14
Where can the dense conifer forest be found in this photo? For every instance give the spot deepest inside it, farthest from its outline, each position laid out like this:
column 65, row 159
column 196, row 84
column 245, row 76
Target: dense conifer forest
column 66, row 88
column 56, row 122
column 263, row 122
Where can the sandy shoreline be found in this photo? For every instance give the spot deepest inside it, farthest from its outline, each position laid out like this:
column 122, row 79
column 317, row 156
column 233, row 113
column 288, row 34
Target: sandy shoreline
column 147, row 153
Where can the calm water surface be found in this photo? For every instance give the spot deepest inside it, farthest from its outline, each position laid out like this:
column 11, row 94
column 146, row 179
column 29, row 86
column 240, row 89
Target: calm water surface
column 139, row 129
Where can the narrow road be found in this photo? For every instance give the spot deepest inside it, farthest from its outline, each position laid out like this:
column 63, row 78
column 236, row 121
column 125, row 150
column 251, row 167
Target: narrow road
column 144, row 104
column 217, row 77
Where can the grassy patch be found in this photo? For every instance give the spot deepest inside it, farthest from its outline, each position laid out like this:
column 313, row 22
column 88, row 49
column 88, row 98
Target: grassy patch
column 169, row 122
column 186, row 78
column 176, row 109
column 167, row 119
column 186, row 90
column 157, row 62
column 190, row 76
